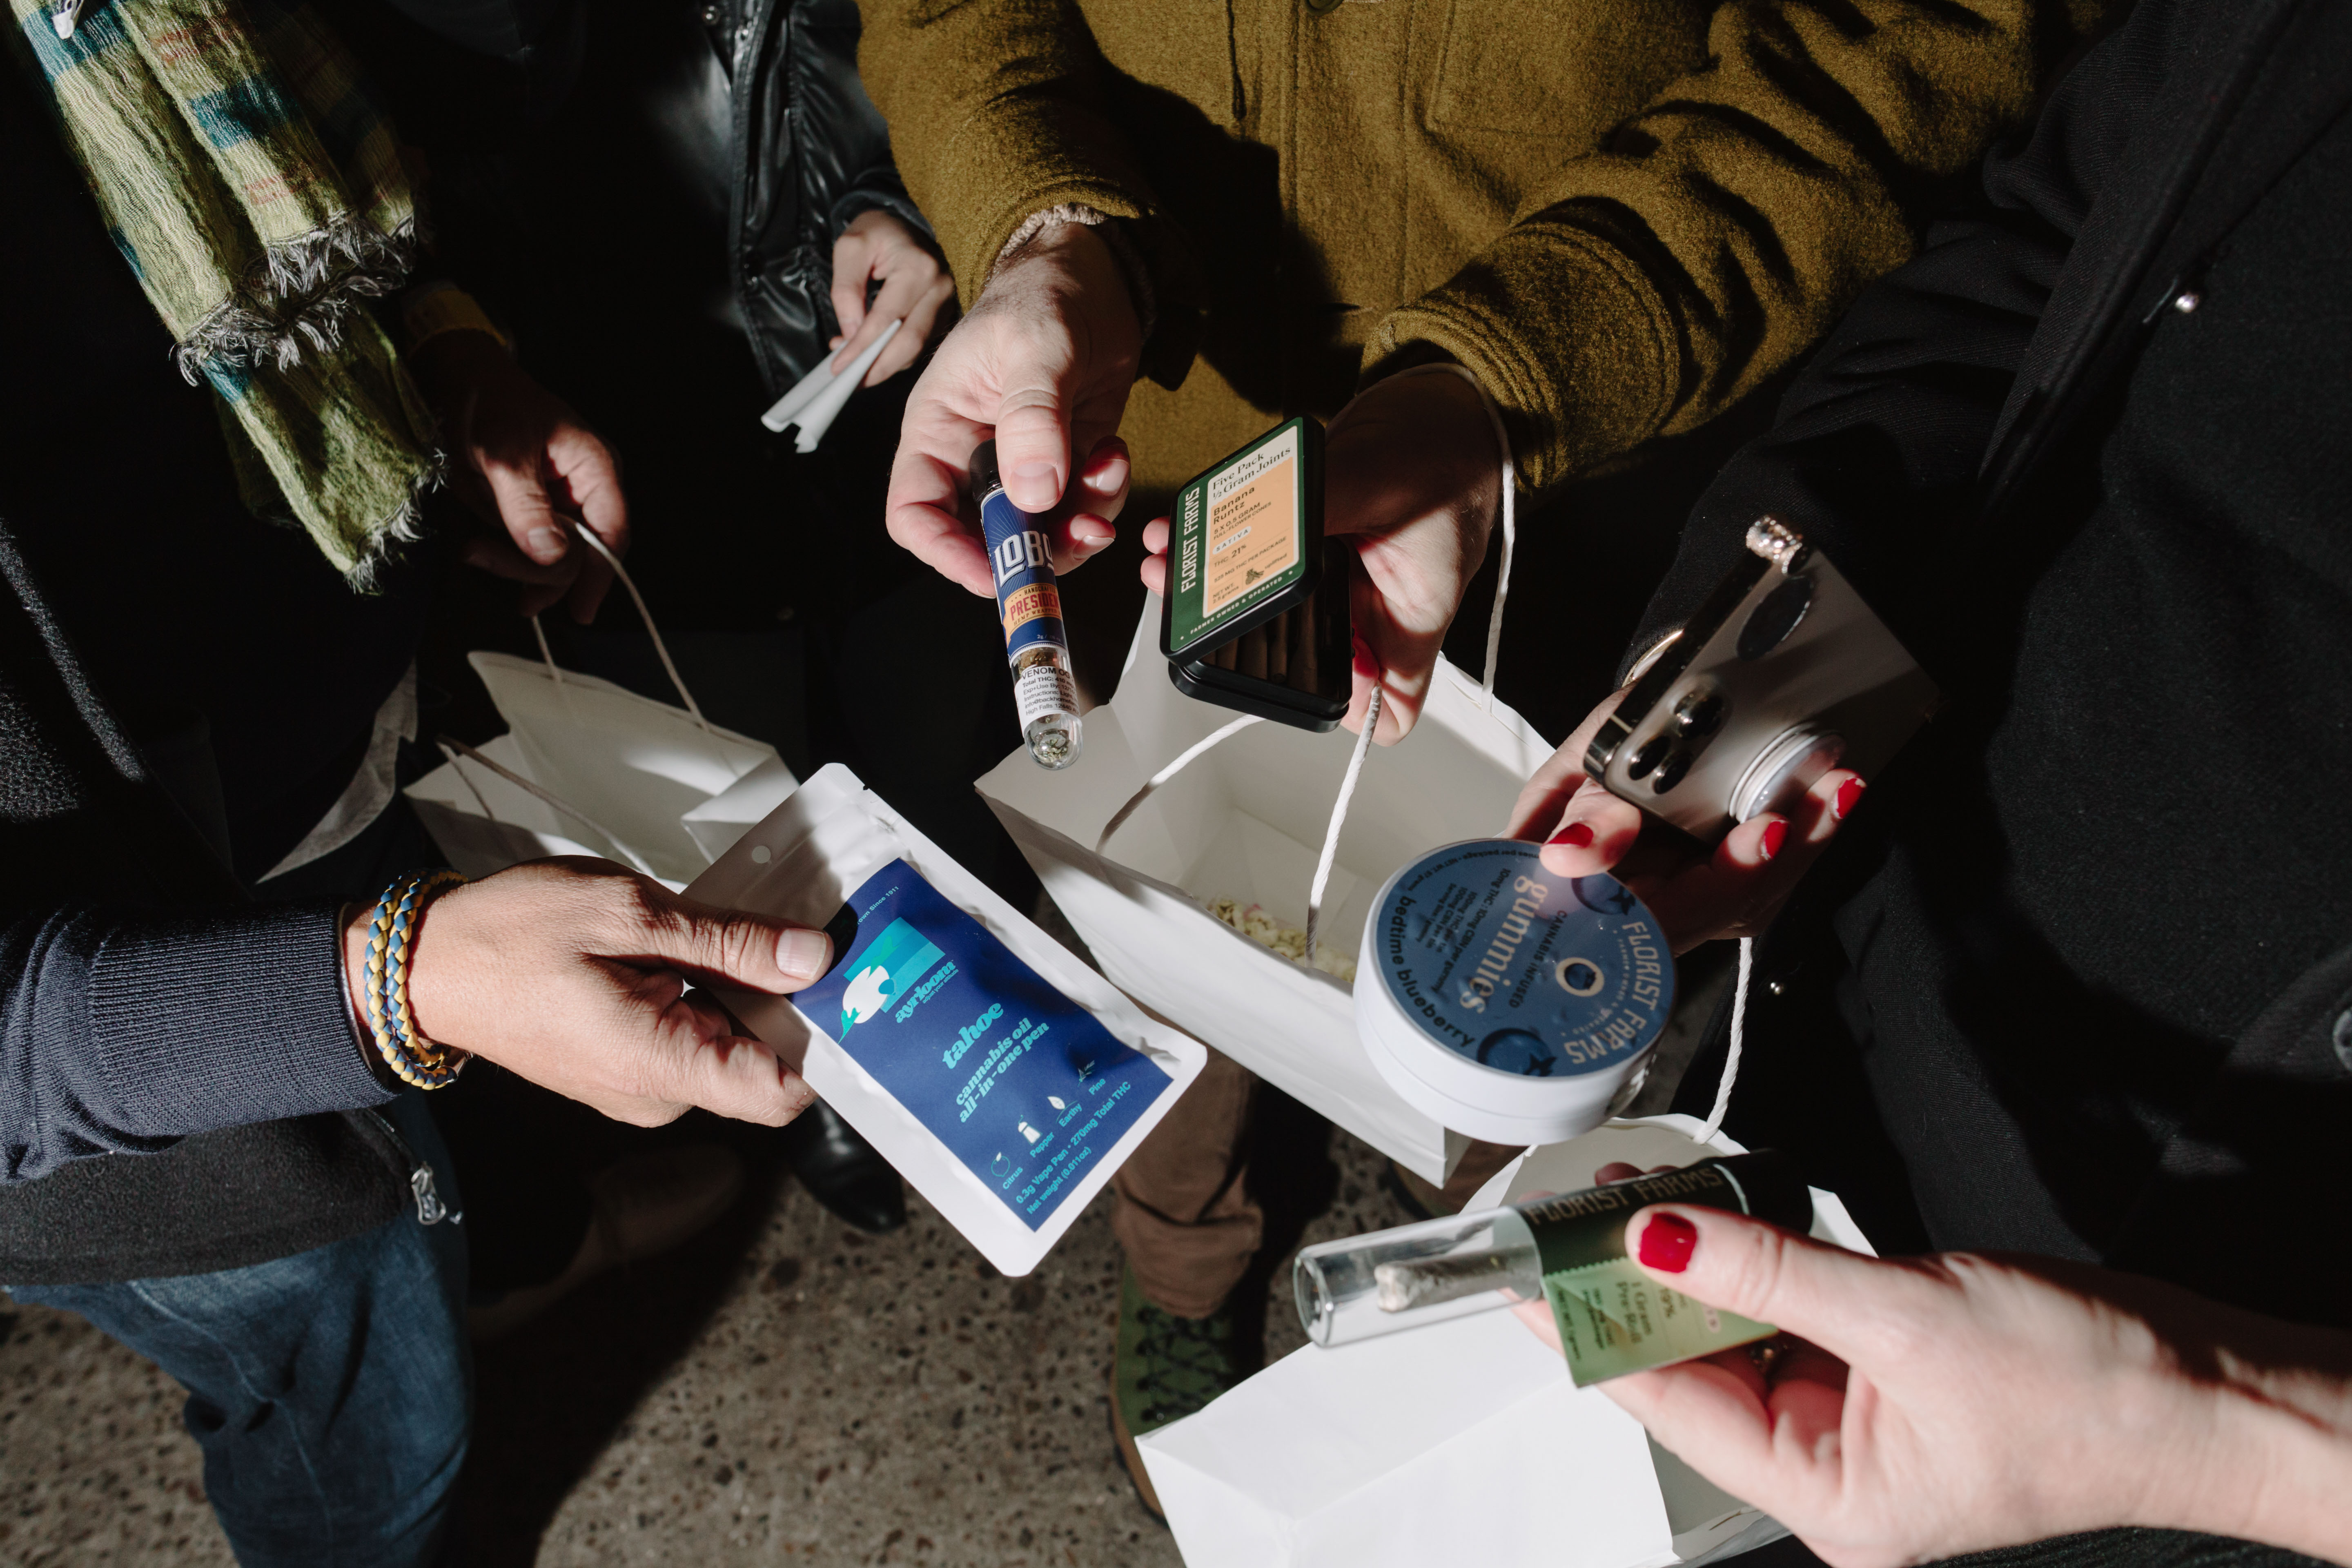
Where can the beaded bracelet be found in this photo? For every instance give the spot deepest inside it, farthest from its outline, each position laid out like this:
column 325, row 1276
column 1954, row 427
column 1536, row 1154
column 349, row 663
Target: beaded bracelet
column 392, row 931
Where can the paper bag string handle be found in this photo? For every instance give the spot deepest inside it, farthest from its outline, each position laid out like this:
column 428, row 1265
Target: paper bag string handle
column 453, row 749
column 1330, row 833
column 1119, row 818
column 1739, row 1031
column 588, row 536
column 1340, row 820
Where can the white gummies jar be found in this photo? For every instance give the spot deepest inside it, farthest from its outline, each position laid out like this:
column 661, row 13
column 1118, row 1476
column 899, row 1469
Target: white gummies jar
column 1506, row 1001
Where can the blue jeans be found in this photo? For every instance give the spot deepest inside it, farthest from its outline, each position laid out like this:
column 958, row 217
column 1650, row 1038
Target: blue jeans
column 332, row 1391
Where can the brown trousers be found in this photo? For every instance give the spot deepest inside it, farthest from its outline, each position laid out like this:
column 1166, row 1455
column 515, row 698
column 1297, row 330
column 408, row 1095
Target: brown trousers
column 1185, row 1217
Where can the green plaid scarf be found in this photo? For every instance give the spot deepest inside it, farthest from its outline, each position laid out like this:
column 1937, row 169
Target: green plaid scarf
column 259, row 194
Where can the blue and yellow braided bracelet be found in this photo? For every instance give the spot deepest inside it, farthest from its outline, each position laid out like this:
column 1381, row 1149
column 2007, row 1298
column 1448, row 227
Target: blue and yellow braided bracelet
column 391, row 932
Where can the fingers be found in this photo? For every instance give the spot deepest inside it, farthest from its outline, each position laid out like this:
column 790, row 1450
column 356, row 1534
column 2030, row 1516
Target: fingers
column 542, row 586
column 852, row 265
column 1154, row 569
column 525, row 507
column 755, row 950
column 1734, row 891
column 922, row 319
column 734, row 1076
column 1857, row 1308
column 1104, row 478
column 1095, row 498
column 1595, row 831
column 1710, row 1418
column 1399, row 661
column 902, row 293
column 1032, row 445
column 591, row 480
column 924, row 514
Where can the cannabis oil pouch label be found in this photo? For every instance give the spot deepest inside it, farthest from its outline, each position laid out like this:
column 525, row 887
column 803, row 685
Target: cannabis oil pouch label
column 1241, row 534
column 1614, row 1317
column 1019, row 1082
column 1518, row 970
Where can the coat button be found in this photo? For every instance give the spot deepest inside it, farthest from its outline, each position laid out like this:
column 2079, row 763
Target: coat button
column 2343, row 1038
column 2187, row 301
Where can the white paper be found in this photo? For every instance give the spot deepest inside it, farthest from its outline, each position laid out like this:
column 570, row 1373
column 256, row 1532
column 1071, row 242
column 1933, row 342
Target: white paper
column 640, row 771
column 800, row 864
column 1246, row 821
column 817, row 399
column 1463, row 1442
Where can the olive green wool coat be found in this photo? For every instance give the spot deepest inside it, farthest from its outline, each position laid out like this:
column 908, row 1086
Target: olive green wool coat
column 1620, row 214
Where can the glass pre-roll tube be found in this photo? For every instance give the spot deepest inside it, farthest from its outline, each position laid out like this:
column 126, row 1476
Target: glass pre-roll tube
column 1029, row 603
column 1573, row 1242
column 1416, row 1274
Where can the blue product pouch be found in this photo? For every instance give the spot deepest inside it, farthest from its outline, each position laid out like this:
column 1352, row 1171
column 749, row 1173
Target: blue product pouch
column 1019, row 1082
column 1002, row 1076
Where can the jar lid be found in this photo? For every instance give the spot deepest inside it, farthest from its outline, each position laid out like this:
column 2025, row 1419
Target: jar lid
column 1492, row 990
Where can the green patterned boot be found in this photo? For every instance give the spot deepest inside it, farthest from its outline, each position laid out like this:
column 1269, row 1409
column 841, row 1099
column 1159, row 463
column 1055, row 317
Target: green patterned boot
column 1167, row 1367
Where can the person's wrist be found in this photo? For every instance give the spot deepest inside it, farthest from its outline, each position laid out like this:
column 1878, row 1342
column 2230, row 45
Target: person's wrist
column 2274, row 1463
column 1078, row 257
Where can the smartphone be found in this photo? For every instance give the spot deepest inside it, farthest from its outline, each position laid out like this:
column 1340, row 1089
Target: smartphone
column 1256, row 614
column 1783, row 675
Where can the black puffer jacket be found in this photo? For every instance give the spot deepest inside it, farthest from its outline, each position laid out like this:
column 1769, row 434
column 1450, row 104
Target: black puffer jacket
column 758, row 107
column 808, row 152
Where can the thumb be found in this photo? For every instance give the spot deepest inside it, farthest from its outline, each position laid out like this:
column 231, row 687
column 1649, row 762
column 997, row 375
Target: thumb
column 1850, row 1305
column 756, row 951
column 1033, row 445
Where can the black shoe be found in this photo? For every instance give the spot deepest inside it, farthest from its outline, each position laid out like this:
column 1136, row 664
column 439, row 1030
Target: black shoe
column 842, row 1171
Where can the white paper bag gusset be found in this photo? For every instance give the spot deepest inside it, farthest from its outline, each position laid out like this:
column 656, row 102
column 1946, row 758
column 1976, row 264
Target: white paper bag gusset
column 1462, row 1442
column 658, row 788
column 1246, row 821
column 801, row 863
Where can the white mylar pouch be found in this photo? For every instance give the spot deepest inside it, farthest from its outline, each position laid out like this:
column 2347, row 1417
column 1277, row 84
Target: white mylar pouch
column 1004, row 1078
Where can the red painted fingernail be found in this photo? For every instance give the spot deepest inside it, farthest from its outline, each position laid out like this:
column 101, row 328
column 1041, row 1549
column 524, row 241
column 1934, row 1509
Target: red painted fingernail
column 1576, row 835
column 1668, row 1241
column 1775, row 833
column 1848, row 793
column 1366, row 665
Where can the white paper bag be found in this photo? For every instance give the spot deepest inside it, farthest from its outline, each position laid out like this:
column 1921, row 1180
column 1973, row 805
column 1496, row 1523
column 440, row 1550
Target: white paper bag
column 1246, row 821
column 800, row 863
column 591, row 768
column 1463, row 1442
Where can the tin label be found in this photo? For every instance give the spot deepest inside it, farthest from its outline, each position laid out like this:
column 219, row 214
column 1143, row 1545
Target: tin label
column 1520, row 970
column 1020, row 559
column 1021, row 1084
column 1239, row 535
column 1614, row 1317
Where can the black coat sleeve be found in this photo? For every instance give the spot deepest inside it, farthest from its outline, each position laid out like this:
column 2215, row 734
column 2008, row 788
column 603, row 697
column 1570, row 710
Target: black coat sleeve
column 1880, row 444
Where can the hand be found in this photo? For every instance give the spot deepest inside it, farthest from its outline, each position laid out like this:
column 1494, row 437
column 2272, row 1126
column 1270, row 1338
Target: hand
column 877, row 247
column 1697, row 895
column 1412, row 472
column 1043, row 363
column 1959, row 1402
column 572, row 972
column 526, row 462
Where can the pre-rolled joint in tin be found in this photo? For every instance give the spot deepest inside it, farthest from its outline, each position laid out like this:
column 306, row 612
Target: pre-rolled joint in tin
column 1404, row 1286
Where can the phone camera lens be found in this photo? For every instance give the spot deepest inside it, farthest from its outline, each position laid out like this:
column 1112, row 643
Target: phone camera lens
column 1769, row 624
column 1647, row 755
column 1671, row 771
column 1700, row 714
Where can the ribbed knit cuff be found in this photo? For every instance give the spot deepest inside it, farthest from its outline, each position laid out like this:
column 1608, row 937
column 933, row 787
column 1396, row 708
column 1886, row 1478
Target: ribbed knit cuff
column 227, row 1017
